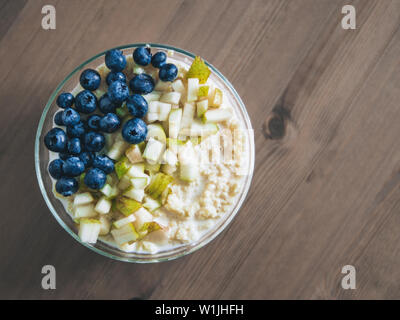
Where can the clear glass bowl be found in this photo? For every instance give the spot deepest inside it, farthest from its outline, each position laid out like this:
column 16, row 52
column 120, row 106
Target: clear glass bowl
column 56, row 207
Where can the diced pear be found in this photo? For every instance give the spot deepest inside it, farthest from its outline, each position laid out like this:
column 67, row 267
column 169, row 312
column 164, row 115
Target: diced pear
column 153, row 151
column 151, row 117
column 203, row 91
column 122, row 111
column 165, row 194
column 152, row 168
column 125, row 234
column 151, row 204
column 202, row 107
column 163, row 86
column 217, row 98
column 134, row 154
column 174, row 123
column 123, row 221
column 195, row 140
column 199, row 70
column 153, row 107
column 126, row 205
column 169, row 157
column 156, row 131
column 105, row 225
column 188, row 163
column 83, row 198
column 135, row 194
column 124, row 183
column 152, row 96
column 182, row 71
column 193, row 89
column 103, row 205
column 89, row 230
column 158, row 184
column 188, row 172
column 175, row 144
column 129, row 247
column 142, row 216
column 109, row 191
column 138, row 69
column 103, row 71
column 159, row 237
column 122, row 166
column 178, row 86
column 109, row 179
column 99, row 93
column 168, row 169
column 85, row 211
column 199, row 129
column 217, row 115
column 139, row 182
column 136, row 170
column 117, row 149
column 148, row 246
column 171, row 97
column 163, row 111
column 148, row 227
column 187, row 116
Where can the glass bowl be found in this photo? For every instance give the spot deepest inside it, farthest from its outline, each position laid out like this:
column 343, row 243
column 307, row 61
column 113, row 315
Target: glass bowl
column 58, row 210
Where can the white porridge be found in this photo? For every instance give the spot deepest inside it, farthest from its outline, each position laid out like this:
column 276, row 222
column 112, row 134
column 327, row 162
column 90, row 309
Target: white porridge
column 176, row 186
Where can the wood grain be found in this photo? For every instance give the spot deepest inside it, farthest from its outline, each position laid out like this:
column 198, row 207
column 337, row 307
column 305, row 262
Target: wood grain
column 324, row 104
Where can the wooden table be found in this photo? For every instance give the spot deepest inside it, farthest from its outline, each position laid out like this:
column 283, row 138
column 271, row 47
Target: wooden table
column 325, row 106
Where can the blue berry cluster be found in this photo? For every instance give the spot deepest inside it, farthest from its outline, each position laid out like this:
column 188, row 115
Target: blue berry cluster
column 86, row 118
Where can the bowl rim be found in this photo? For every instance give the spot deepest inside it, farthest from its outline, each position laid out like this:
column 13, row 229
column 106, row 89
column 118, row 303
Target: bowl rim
column 199, row 244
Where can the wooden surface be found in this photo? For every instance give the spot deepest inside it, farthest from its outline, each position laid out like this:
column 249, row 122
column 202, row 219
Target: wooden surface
column 325, row 106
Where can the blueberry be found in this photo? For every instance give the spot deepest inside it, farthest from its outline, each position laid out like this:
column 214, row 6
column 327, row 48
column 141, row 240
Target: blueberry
column 70, row 117
column 118, row 91
column 64, row 156
column 110, row 123
column 134, row 131
column 168, row 72
column 67, row 186
column 90, row 79
column 55, row 168
column 93, row 122
column 142, row 56
column 115, row 60
column 87, row 158
column 95, row 178
column 137, row 105
column 86, row 102
column 115, row 76
column 106, row 105
column 103, row 163
column 65, row 100
column 56, row 140
column 76, row 130
column 159, row 59
column 73, row 167
column 58, row 118
column 142, row 84
column 74, row 146
column 94, row 141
